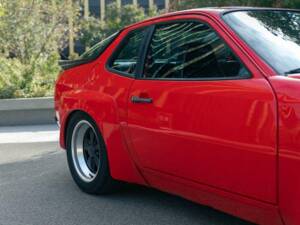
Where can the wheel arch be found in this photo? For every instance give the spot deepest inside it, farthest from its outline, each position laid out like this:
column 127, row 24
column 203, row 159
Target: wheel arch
column 67, row 121
column 122, row 166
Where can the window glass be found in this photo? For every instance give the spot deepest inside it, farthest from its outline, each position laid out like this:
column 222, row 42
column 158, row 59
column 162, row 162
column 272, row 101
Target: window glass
column 95, row 51
column 126, row 58
column 190, row 50
column 273, row 34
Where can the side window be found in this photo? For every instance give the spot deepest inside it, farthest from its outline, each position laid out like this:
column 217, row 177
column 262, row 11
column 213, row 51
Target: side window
column 190, row 50
column 95, row 51
column 126, row 58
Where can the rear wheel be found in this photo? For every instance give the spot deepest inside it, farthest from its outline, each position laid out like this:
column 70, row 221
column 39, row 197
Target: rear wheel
column 87, row 156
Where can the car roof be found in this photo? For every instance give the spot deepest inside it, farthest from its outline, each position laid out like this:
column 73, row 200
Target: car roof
column 213, row 11
column 223, row 9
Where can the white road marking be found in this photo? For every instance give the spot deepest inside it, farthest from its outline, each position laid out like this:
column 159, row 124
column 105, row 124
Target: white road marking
column 29, row 134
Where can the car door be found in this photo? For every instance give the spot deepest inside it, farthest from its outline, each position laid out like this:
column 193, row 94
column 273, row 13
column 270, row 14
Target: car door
column 199, row 113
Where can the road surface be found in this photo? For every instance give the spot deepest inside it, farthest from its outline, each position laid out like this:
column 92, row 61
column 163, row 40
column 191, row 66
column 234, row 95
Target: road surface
column 37, row 189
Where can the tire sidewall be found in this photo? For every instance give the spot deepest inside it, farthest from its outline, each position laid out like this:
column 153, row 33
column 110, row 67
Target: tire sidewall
column 103, row 175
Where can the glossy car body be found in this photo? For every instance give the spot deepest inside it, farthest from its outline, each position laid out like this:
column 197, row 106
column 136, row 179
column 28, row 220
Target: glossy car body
column 238, row 151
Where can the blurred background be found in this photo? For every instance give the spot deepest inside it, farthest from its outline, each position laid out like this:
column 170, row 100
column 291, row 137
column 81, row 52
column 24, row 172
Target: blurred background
column 35, row 34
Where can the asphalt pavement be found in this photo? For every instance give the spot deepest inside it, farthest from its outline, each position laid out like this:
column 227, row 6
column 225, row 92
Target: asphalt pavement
column 37, row 189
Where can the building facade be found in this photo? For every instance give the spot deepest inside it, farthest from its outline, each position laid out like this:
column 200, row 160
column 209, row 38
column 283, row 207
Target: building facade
column 97, row 9
column 95, row 5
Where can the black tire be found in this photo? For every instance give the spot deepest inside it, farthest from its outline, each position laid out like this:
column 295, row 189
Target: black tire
column 102, row 183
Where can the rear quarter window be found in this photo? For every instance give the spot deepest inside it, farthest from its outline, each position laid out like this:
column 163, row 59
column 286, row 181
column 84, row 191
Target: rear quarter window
column 92, row 54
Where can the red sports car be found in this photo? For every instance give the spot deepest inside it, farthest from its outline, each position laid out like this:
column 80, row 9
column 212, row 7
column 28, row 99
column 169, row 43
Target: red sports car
column 203, row 103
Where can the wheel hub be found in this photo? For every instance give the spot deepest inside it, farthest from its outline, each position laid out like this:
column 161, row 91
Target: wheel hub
column 85, row 151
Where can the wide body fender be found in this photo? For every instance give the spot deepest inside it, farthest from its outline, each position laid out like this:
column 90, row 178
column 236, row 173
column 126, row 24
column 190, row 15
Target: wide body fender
column 102, row 109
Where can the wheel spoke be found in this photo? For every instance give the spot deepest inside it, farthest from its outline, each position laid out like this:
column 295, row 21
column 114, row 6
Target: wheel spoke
column 89, row 162
column 86, row 145
column 97, row 160
column 91, row 136
column 94, row 166
column 88, row 151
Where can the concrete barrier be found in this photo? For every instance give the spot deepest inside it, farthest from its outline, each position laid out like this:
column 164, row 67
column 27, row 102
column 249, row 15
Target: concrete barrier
column 29, row 111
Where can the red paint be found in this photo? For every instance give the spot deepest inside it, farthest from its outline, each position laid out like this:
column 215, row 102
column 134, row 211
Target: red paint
column 233, row 145
column 288, row 95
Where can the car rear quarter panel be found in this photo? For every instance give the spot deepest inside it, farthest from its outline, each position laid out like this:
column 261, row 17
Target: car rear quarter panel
column 288, row 95
column 87, row 88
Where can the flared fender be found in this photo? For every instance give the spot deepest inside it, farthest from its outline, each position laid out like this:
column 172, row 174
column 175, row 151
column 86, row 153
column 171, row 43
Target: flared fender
column 102, row 109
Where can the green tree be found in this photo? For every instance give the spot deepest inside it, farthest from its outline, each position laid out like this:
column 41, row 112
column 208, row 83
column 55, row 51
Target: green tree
column 1, row 10
column 91, row 30
column 33, row 29
column 117, row 18
column 31, row 33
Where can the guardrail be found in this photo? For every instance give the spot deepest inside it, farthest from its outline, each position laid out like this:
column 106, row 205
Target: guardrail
column 29, row 111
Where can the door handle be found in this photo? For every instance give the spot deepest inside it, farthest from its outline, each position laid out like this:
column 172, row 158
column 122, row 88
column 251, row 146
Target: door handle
column 136, row 99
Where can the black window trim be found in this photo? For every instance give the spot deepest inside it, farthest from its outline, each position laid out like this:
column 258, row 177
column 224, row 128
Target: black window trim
column 146, row 49
column 117, row 50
